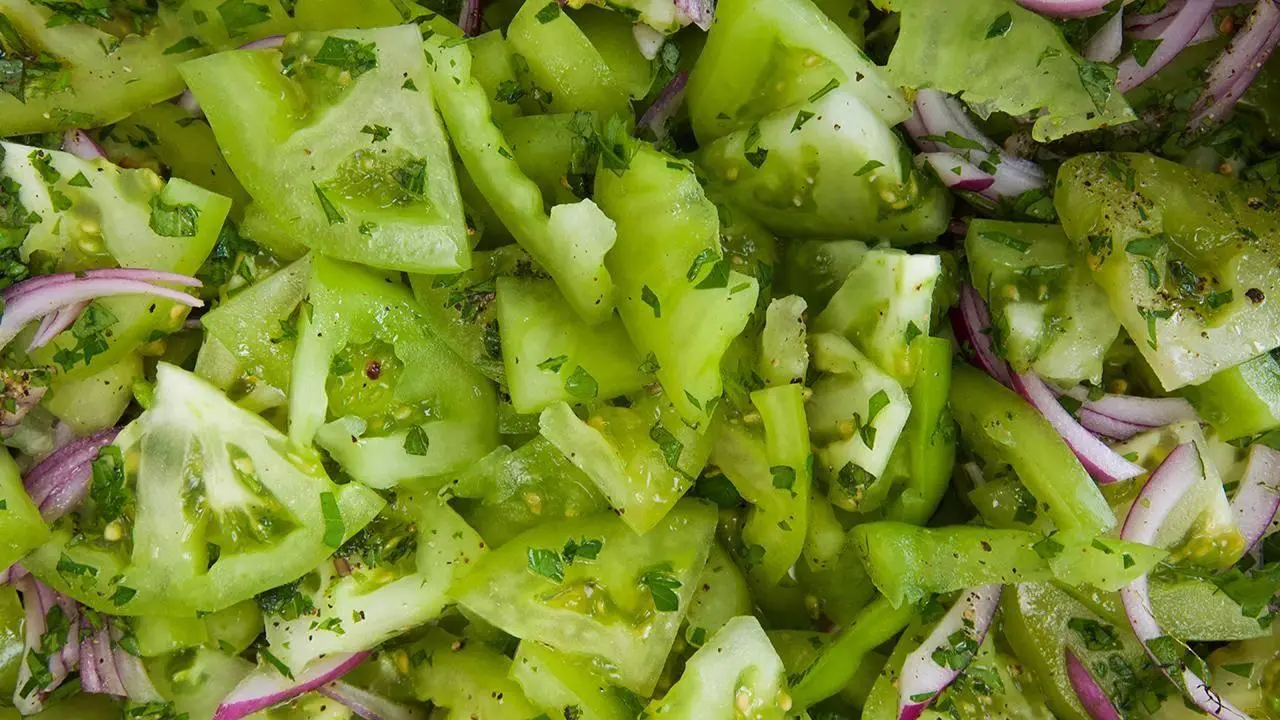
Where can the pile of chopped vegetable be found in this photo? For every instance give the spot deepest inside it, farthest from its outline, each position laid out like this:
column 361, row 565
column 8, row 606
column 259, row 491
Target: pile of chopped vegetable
column 639, row 359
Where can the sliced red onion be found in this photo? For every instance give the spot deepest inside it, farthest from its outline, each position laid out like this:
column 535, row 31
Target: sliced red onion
column 38, row 600
column 1105, row 44
column 1065, row 8
column 1258, row 498
column 987, row 170
column 341, row 566
column 972, row 325
column 266, row 687
column 1208, row 31
column 13, row 574
column 1104, row 464
column 1143, row 412
column 78, row 143
column 958, row 173
column 699, row 12
column 187, row 101
column 144, row 275
column 649, row 41
column 1108, row 427
column 1138, row 22
column 666, row 106
column 24, row 392
column 469, row 18
column 1181, row 29
column 137, row 684
column 1170, row 482
column 1088, row 691
column 27, row 305
column 59, row 482
column 367, row 705
column 266, row 43
column 98, row 673
column 923, row 679
column 1234, row 70
column 55, row 323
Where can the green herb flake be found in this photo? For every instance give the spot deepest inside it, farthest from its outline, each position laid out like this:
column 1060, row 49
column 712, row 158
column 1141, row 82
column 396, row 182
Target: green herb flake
column 546, row 563
column 912, row 332
column 416, row 441
column 122, row 595
column 580, row 384
column 651, row 299
column 669, row 445
column 662, row 587
column 1000, row 26
column 334, row 527
column 1009, row 241
column 553, row 363
column 870, row 166
column 548, row 13
column 1148, row 247
column 784, row 477
column 826, row 89
column 330, row 212
column 1095, row 635
column 238, row 15
column 186, row 44
column 650, row 365
column 273, row 661
column 704, row 257
column 1217, row 299
column 1143, row 49
column 802, row 117
column 379, row 132
column 79, row 181
column 1098, row 80
column 588, row 549
column 717, row 278
column 351, row 56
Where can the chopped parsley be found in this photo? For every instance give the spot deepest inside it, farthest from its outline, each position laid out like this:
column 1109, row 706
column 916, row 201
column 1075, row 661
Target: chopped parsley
column 181, row 220
column 351, row 56
column 379, row 133
column 334, row 528
column 662, row 586
column 416, row 441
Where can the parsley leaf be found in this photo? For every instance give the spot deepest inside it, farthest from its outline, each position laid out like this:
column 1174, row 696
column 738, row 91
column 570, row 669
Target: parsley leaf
column 352, row 56
column 662, row 587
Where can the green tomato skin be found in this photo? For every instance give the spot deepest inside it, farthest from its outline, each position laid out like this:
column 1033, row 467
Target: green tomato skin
column 391, row 203
column 1241, row 401
column 828, row 168
column 643, row 585
column 1185, row 257
column 1001, row 427
column 21, row 527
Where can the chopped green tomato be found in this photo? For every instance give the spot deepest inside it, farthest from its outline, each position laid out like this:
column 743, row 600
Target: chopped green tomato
column 12, row 624
column 784, row 351
column 773, row 473
column 552, row 356
column 157, row 635
column 1002, row 428
column 258, row 503
column 233, row 630
column 467, row 678
column 558, row 152
column 61, row 223
column 613, row 35
column 197, row 680
column 404, row 406
column 816, row 269
column 459, row 309
column 564, row 685
column 257, row 328
column 21, row 527
column 840, row 660
column 908, row 563
column 736, row 674
column 1242, row 401
column 517, row 490
column 841, row 173
column 495, row 70
column 763, row 57
column 722, row 595
column 642, row 458
column 884, row 305
column 558, row 66
column 164, row 136
column 856, row 416
column 753, row 251
column 1048, row 314
column 290, row 124
column 930, row 436
column 679, row 298
column 624, row 600
column 1041, row 623
column 572, row 241
column 61, row 75
column 661, row 15
column 1183, row 255
column 97, row 401
column 1004, row 58
column 401, row 566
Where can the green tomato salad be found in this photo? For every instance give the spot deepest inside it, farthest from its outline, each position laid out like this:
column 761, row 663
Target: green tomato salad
column 639, row 359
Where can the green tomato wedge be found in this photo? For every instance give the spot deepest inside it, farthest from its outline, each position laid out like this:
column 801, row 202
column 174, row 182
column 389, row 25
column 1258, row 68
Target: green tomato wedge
column 736, row 674
column 263, row 510
column 402, row 406
column 307, row 145
column 593, row 586
column 21, row 527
